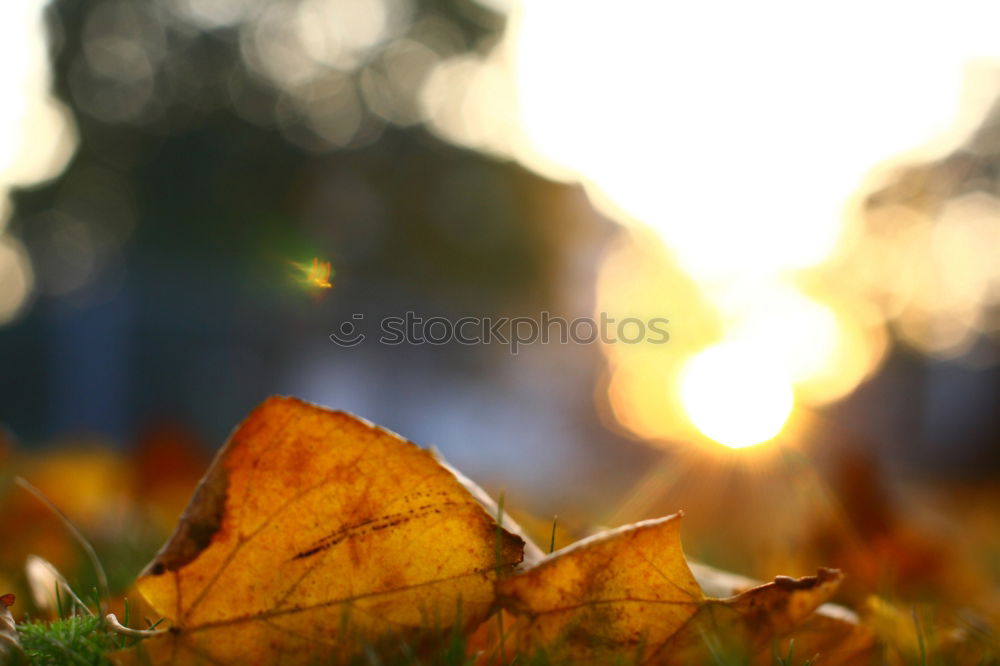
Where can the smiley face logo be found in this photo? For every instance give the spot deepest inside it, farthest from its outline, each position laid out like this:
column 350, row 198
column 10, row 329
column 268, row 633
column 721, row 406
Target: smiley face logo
column 349, row 334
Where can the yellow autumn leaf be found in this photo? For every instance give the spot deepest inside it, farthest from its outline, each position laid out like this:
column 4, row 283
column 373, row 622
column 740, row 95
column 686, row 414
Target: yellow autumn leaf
column 628, row 594
column 314, row 533
column 607, row 595
column 833, row 631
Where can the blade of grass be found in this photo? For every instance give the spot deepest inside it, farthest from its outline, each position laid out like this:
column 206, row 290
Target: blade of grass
column 122, row 639
column 59, row 604
column 920, row 637
column 102, row 578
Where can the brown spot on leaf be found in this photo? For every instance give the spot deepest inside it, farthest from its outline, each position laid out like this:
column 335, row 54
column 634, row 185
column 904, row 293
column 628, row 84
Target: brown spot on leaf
column 199, row 522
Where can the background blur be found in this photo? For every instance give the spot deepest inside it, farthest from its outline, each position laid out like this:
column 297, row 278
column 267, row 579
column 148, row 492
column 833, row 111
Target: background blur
column 810, row 196
column 198, row 149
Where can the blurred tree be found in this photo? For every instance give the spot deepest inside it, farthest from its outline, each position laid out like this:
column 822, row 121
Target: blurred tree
column 221, row 140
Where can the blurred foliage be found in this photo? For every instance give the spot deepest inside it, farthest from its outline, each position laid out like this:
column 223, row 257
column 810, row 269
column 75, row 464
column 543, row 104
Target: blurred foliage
column 229, row 184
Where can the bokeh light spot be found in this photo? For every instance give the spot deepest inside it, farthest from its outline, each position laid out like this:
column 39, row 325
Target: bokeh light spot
column 16, row 277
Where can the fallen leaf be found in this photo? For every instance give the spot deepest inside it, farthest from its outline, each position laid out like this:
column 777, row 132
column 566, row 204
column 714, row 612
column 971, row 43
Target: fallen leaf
column 314, row 533
column 606, row 596
column 733, row 630
column 833, row 631
column 531, row 553
column 629, row 594
column 10, row 644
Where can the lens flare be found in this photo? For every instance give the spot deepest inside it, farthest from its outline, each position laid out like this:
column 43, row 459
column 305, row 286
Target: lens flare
column 316, row 274
column 735, row 397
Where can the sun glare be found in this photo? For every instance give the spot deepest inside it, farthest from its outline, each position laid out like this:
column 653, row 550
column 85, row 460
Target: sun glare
column 743, row 140
column 734, row 396
column 715, row 129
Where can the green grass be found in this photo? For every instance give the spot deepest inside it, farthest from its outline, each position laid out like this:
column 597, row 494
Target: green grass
column 72, row 640
column 789, row 659
column 78, row 636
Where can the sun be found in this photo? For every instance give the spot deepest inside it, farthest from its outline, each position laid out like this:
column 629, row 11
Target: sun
column 734, row 396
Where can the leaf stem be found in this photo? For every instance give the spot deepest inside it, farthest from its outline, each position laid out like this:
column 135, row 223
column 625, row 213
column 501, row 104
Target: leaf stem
column 117, row 627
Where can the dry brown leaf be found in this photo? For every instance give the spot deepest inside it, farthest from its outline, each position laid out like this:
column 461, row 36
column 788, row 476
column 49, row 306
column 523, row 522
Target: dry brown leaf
column 629, row 594
column 833, row 631
column 10, row 644
column 314, row 532
column 733, row 630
